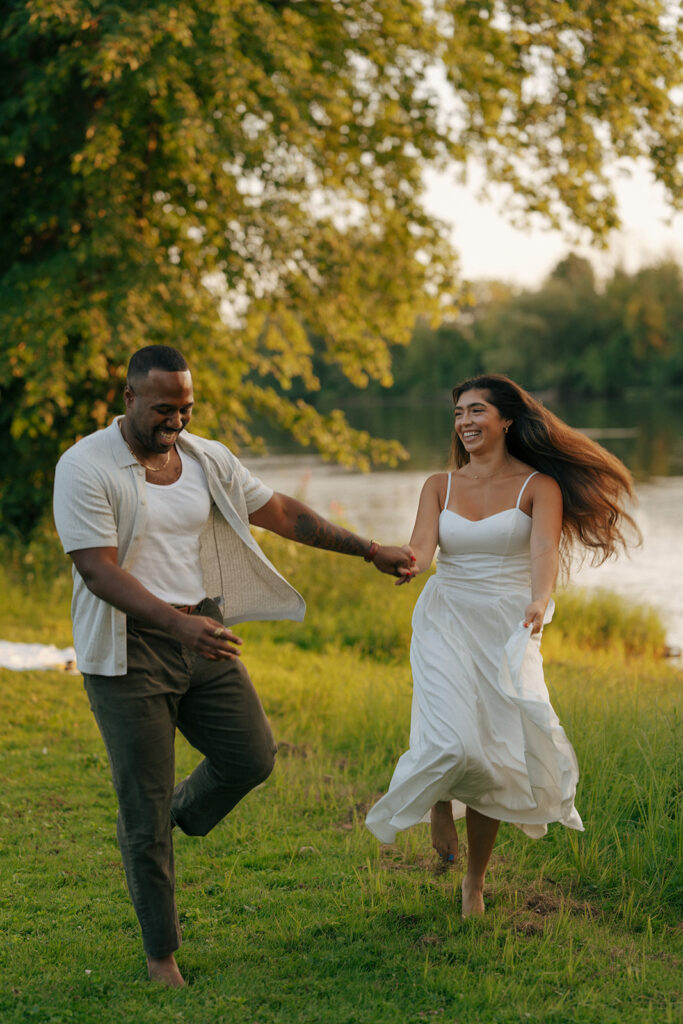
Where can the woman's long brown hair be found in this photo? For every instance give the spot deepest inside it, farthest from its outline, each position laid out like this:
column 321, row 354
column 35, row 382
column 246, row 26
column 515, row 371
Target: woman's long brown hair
column 595, row 484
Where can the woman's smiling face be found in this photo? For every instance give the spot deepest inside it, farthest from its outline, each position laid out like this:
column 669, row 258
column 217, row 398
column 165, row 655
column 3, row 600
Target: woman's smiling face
column 478, row 423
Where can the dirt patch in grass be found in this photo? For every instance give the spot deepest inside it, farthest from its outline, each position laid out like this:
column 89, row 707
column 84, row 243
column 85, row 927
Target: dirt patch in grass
column 357, row 812
column 300, row 750
column 540, row 905
column 429, row 940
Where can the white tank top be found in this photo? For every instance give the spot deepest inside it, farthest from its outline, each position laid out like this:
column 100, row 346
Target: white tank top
column 168, row 560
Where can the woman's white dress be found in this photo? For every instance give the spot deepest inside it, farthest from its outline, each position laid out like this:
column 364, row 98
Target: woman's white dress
column 483, row 733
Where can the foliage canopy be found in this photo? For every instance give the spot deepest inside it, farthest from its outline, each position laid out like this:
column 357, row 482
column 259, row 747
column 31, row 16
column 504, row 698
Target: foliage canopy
column 568, row 336
column 237, row 176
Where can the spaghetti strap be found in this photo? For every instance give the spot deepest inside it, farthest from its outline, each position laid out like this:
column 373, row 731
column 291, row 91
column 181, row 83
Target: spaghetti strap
column 448, row 492
column 519, row 496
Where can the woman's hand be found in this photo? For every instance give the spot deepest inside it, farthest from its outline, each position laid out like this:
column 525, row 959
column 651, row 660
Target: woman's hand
column 534, row 614
column 406, row 574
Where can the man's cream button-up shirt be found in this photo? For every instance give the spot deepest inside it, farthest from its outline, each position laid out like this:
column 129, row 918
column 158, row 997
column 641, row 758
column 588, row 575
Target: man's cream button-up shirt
column 99, row 501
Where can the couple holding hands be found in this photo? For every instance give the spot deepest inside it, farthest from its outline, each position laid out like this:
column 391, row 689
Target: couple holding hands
column 157, row 523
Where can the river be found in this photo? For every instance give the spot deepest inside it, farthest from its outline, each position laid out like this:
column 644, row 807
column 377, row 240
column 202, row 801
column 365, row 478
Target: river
column 646, row 432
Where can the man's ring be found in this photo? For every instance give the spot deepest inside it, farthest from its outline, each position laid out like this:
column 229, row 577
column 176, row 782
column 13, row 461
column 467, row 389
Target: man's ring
column 218, row 632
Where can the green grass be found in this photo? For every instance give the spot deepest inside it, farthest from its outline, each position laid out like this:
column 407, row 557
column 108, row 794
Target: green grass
column 291, row 911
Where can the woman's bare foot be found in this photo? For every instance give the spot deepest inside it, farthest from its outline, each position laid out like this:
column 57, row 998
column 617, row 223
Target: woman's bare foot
column 444, row 836
column 165, row 970
column 472, row 897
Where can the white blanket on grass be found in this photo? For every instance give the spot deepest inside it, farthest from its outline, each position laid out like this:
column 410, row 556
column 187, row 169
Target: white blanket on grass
column 35, row 656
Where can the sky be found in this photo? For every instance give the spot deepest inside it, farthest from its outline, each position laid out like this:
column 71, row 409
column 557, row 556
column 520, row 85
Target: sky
column 489, row 247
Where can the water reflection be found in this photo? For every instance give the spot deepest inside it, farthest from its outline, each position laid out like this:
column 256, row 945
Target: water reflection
column 651, row 444
column 644, row 430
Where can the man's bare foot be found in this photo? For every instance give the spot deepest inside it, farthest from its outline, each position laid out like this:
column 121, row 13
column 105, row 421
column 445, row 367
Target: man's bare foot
column 444, row 836
column 165, row 970
column 472, row 897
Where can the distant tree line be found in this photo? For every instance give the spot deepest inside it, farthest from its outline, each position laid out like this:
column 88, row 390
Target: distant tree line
column 570, row 335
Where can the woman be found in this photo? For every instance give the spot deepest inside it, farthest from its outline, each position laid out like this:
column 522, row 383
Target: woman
column 484, row 740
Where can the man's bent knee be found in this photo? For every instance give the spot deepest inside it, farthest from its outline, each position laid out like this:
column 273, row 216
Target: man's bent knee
column 264, row 767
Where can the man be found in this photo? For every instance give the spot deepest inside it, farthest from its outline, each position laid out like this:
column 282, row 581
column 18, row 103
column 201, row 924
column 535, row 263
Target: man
column 156, row 521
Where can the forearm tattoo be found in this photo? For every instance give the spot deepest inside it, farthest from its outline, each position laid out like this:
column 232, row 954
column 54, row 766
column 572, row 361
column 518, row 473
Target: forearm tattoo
column 318, row 533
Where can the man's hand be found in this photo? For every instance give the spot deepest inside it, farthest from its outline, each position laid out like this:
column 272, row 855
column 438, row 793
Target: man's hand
column 103, row 576
column 395, row 561
column 290, row 518
column 207, row 637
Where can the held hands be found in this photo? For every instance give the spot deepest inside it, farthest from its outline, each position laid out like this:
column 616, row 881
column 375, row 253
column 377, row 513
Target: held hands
column 396, row 562
column 207, row 637
column 413, row 569
column 533, row 616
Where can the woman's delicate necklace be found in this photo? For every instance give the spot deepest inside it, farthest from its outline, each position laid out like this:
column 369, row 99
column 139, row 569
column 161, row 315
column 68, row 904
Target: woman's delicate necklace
column 476, row 476
column 152, row 469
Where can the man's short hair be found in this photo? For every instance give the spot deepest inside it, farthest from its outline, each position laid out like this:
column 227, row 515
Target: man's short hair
column 156, row 357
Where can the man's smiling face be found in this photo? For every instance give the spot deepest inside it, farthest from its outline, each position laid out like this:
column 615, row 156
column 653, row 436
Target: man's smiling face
column 158, row 408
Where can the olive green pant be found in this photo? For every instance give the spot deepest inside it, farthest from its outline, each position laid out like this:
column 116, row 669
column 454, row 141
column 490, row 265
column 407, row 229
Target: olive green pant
column 216, row 708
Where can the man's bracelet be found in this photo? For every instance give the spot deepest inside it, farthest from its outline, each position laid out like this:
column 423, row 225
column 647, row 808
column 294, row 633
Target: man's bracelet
column 372, row 551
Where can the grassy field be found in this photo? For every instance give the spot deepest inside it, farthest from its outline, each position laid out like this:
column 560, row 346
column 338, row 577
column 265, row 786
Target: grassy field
column 291, row 911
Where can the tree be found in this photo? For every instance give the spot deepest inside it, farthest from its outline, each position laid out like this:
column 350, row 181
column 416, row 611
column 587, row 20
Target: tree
column 238, row 176
column 642, row 320
column 573, row 338
column 540, row 337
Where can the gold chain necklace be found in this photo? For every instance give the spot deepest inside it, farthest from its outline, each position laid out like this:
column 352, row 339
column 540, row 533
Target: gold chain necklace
column 152, row 469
